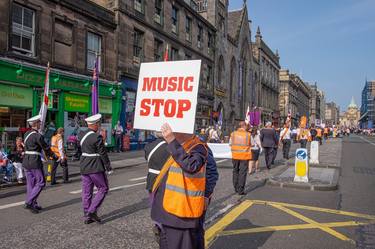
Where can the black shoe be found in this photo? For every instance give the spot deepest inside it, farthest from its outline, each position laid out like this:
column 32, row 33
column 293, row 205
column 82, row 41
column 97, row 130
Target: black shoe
column 88, row 221
column 242, row 193
column 94, row 216
column 54, row 183
column 32, row 209
column 68, row 181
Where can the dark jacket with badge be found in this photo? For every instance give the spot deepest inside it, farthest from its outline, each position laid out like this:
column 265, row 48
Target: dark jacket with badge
column 93, row 144
column 35, row 143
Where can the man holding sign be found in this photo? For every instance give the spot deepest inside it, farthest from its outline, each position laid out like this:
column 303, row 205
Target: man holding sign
column 166, row 101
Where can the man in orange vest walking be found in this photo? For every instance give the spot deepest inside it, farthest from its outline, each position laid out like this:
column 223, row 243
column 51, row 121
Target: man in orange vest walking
column 57, row 146
column 240, row 142
column 178, row 201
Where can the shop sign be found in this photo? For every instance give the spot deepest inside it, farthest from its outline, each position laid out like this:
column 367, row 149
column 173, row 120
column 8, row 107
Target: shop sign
column 167, row 92
column 105, row 106
column 76, row 103
column 219, row 92
column 16, row 96
column 80, row 103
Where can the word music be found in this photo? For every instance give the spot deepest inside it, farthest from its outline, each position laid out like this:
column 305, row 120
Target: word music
column 169, row 107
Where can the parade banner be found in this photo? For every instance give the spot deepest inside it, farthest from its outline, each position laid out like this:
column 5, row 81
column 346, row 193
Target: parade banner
column 220, row 150
column 167, row 92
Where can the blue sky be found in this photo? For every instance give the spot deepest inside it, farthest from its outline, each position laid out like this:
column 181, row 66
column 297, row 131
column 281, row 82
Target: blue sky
column 331, row 42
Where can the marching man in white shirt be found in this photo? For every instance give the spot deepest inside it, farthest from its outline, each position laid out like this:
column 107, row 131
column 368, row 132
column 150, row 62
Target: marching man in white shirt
column 285, row 139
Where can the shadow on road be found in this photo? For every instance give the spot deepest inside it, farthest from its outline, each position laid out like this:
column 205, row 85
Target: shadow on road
column 125, row 211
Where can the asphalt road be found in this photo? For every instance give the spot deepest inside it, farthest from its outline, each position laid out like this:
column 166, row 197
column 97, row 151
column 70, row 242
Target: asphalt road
column 269, row 218
column 126, row 218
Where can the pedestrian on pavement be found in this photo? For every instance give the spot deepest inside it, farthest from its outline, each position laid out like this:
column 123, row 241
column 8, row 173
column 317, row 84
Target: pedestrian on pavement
column 319, row 135
column 303, row 137
column 118, row 131
column 326, row 131
column 94, row 164
column 179, row 192
column 277, row 130
column 17, row 156
column 294, row 135
column 6, row 167
column 240, row 143
column 256, row 149
column 57, row 146
column 285, row 140
column 313, row 132
column 269, row 141
column 32, row 163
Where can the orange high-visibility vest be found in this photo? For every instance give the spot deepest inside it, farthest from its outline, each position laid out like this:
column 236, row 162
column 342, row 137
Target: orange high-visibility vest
column 241, row 145
column 319, row 132
column 184, row 192
column 55, row 144
column 326, row 130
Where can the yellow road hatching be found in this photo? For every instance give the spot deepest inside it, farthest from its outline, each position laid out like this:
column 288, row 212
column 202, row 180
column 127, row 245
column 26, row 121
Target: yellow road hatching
column 218, row 228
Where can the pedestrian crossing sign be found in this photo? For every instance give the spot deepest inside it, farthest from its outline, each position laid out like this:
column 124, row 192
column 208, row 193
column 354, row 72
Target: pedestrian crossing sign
column 301, row 166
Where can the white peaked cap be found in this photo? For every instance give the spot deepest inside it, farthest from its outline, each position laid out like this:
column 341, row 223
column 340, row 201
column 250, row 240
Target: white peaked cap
column 94, row 118
column 34, row 119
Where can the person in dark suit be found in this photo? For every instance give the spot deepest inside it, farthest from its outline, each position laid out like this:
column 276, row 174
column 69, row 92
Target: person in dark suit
column 269, row 141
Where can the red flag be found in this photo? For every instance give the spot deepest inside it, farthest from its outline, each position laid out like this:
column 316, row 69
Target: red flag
column 44, row 105
column 166, row 54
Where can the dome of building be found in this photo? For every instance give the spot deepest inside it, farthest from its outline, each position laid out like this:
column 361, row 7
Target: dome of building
column 352, row 104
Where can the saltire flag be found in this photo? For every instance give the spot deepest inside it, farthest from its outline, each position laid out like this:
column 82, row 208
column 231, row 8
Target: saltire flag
column 44, row 106
column 95, row 88
column 247, row 115
column 166, row 54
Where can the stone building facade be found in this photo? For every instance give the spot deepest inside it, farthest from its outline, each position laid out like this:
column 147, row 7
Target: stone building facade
column 350, row 118
column 267, row 87
column 367, row 119
column 294, row 97
column 317, row 105
column 68, row 34
column 146, row 29
column 332, row 114
column 234, row 84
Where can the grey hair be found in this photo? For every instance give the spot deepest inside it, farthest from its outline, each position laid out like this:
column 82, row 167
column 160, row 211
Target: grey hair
column 268, row 123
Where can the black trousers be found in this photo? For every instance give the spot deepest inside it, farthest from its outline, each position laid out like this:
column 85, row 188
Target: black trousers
column 240, row 168
column 119, row 142
column 64, row 166
column 303, row 143
column 286, row 147
column 175, row 238
column 269, row 154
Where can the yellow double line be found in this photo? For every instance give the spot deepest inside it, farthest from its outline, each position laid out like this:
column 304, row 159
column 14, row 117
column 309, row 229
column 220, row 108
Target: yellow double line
column 218, row 228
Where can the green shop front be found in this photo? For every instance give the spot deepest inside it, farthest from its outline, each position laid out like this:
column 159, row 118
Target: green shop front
column 21, row 90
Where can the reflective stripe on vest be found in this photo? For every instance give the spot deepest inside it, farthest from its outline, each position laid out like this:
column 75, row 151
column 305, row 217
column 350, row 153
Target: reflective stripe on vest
column 240, row 147
column 33, row 153
column 90, row 155
column 184, row 192
column 27, row 137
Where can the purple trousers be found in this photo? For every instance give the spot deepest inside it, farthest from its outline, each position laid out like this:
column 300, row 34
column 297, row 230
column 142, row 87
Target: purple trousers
column 99, row 180
column 35, row 183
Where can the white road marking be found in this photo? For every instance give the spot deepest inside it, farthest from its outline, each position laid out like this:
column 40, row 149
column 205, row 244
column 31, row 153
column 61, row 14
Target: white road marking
column 220, row 161
column 218, row 213
column 111, row 189
column 12, row 205
column 137, row 179
column 367, row 140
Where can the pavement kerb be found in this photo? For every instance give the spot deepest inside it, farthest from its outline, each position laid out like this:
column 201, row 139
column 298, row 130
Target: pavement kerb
column 307, row 186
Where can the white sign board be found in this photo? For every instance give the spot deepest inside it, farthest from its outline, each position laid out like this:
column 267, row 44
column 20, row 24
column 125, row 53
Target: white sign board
column 220, row 150
column 314, row 152
column 301, row 166
column 167, row 92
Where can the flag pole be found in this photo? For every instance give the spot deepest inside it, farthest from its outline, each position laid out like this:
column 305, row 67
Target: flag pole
column 44, row 105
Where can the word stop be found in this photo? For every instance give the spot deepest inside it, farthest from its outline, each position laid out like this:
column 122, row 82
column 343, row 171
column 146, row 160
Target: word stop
column 170, row 107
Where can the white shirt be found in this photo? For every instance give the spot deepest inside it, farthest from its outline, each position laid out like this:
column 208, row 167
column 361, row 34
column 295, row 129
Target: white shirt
column 255, row 142
column 285, row 133
column 61, row 149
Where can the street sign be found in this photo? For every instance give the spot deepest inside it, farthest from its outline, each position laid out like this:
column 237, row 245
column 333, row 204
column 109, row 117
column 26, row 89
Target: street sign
column 301, row 166
column 167, row 92
column 314, row 152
